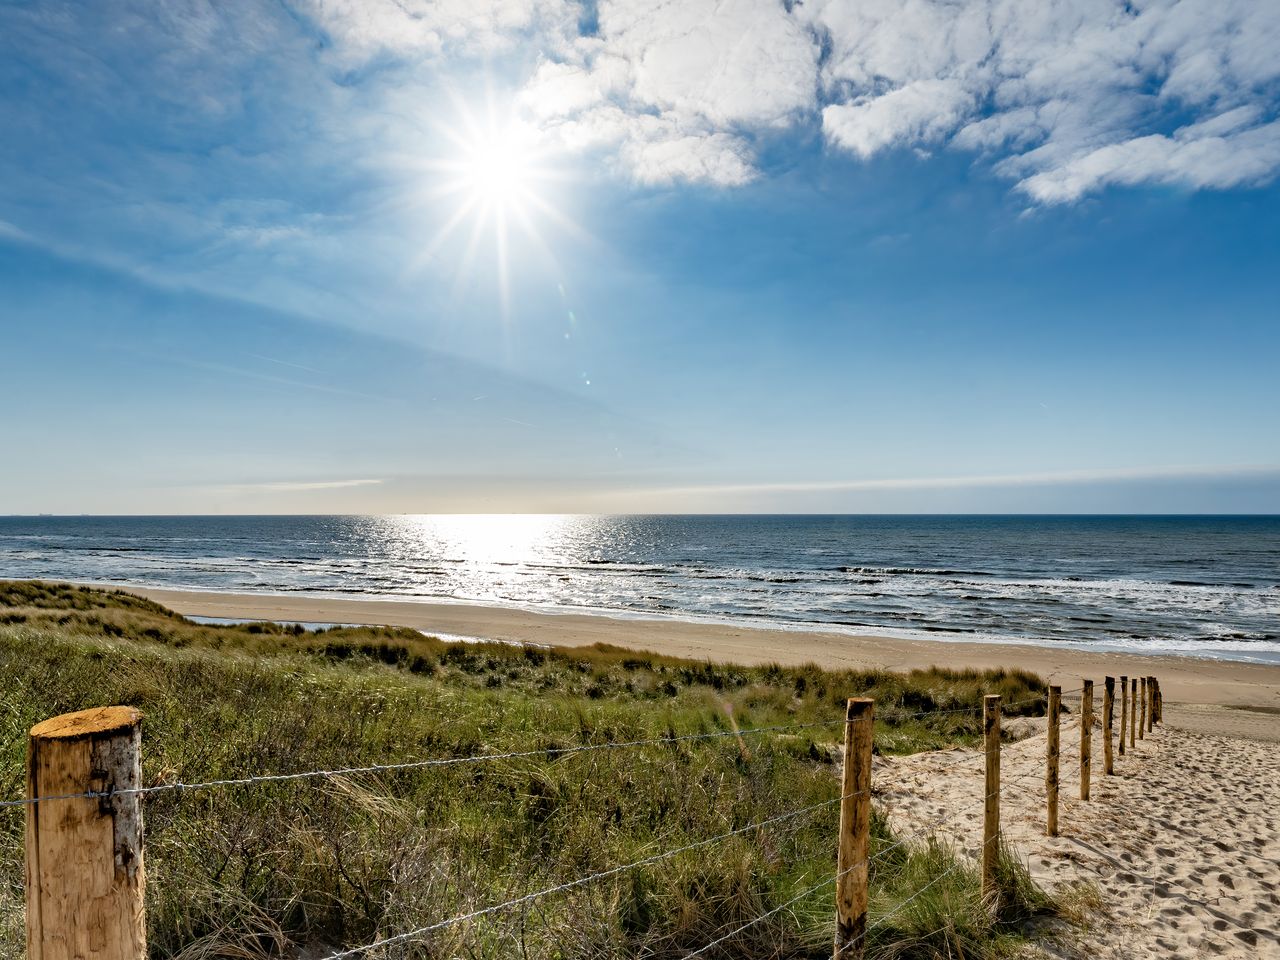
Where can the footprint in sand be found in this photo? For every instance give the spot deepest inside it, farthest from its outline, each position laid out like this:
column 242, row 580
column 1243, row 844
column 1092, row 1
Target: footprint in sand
column 1248, row 936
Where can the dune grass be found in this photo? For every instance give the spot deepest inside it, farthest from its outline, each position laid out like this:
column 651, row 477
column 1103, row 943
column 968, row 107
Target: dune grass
column 268, row 869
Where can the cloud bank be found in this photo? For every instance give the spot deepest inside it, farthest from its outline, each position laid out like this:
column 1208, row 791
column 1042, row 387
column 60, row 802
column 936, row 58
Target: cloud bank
column 1062, row 97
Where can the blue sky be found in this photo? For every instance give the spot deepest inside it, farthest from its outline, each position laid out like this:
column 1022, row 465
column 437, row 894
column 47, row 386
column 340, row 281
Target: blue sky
column 847, row 256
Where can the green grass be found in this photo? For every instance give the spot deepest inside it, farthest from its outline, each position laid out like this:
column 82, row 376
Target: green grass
column 262, row 870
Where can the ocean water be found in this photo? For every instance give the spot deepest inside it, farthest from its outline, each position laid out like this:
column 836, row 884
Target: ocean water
column 1199, row 585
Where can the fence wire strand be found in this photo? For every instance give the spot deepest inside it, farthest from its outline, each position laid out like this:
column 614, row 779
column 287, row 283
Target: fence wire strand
column 818, row 886
column 923, row 832
column 425, row 931
column 549, row 752
column 417, row 764
column 421, row 932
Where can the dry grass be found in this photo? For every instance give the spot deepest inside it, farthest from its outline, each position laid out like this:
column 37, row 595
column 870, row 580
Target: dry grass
column 275, row 868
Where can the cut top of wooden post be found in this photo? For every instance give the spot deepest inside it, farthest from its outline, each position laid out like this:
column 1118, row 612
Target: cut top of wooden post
column 97, row 722
column 857, row 706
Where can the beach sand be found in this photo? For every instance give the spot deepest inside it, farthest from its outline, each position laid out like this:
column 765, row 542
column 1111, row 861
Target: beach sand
column 1212, row 684
column 1182, row 843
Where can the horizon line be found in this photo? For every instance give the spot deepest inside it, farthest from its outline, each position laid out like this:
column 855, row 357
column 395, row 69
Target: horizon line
column 673, row 513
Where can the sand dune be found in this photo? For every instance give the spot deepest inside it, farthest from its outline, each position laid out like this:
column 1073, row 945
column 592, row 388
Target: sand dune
column 1214, row 683
column 1183, row 842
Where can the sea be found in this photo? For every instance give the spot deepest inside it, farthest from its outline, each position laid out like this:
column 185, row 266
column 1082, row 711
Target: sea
column 1200, row 585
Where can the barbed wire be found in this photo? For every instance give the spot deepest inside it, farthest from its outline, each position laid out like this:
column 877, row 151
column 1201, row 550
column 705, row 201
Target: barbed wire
column 655, row 858
column 929, row 829
column 426, row 930
column 881, row 921
column 975, row 708
column 547, row 752
column 420, row 932
column 765, row 916
column 417, row 764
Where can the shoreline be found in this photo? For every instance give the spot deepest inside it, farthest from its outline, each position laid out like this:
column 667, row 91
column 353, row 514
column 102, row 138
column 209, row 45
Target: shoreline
column 1185, row 679
column 742, row 623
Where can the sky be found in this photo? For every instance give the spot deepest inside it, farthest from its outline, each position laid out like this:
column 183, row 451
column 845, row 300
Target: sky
column 367, row 256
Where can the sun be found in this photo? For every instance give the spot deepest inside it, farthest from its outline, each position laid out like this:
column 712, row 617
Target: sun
column 498, row 172
column 495, row 177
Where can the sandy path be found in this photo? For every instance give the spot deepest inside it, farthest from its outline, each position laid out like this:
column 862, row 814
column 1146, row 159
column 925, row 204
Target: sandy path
column 1183, row 842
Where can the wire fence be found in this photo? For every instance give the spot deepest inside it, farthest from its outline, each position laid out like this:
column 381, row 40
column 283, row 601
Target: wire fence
column 422, row 932
column 546, row 753
column 925, row 832
column 928, row 830
column 882, row 784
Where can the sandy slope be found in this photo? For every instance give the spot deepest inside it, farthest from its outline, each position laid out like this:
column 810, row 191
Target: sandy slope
column 1183, row 842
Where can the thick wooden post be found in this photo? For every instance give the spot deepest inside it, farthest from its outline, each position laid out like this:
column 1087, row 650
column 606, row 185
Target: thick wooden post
column 852, row 860
column 1124, row 710
column 1108, row 711
column 1155, row 702
column 1142, row 716
column 85, row 879
column 1133, row 712
column 1051, row 763
column 1086, row 738
column 1159, row 703
column 991, row 811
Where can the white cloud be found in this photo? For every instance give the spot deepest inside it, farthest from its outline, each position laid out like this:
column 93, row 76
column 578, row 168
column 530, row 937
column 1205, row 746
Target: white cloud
column 726, row 62
column 919, row 113
column 364, row 27
column 291, row 486
column 677, row 90
column 1064, row 97
column 1065, row 477
column 10, row 231
column 1242, row 158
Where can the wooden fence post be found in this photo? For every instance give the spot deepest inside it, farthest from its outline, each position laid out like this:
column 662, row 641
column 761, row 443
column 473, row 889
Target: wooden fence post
column 1086, row 738
column 1142, row 717
column 1159, row 703
column 1051, row 764
column 852, row 860
column 1108, row 714
column 991, row 806
column 1124, row 710
column 1155, row 702
column 85, row 879
column 1133, row 712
